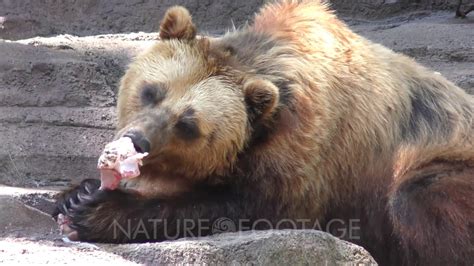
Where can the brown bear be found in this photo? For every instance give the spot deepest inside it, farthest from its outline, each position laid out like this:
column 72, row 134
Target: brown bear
column 292, row 118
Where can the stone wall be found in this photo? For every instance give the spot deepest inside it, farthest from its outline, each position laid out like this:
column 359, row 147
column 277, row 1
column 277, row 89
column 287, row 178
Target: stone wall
column 382, row 8
column 29, row 18
column 21, row 19
column 57, row 94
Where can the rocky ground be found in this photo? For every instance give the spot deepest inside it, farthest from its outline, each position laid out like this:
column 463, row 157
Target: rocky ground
column 57, row 98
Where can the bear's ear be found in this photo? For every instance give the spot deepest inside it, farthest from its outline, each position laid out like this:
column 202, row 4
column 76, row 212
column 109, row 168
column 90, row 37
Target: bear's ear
column 177, row 24
column 261, row 97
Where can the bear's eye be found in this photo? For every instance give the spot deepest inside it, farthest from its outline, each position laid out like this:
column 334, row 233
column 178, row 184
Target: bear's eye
column 152, row 94
column 187, row 127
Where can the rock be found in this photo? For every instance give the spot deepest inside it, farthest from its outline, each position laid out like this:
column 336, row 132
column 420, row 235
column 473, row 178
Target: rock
column 452, row 55
column 275, row 247
column 262, row 248
column 384, row 8
column 65, row 99
column 19, row 220
column 26, row 252
column 20, row 19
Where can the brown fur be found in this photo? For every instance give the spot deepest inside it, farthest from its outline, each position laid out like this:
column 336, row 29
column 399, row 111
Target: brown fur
column 299, row 117
column 177, row 24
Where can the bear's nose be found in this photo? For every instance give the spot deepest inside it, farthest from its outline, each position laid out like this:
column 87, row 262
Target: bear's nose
column 141, row 143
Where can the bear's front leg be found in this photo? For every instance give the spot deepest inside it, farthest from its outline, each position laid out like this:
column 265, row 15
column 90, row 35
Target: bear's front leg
column 86, row 213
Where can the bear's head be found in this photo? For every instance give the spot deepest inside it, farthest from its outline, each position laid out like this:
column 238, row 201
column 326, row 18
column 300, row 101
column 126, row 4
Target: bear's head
column 190, row 104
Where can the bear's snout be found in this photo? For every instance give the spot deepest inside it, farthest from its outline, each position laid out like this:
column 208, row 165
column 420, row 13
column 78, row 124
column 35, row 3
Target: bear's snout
column 140, row 142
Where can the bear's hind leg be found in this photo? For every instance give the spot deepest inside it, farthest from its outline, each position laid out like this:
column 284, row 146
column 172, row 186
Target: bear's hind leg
column 433, row 214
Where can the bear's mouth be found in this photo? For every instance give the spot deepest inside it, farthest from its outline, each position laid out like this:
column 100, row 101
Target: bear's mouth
column 140, row 142
column 137, row 148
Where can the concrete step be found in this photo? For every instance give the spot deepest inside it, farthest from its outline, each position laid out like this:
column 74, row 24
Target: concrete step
column 40, row 76
column 57, row 98
column 87, row 117
column 25, row 18
column 34, row 155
